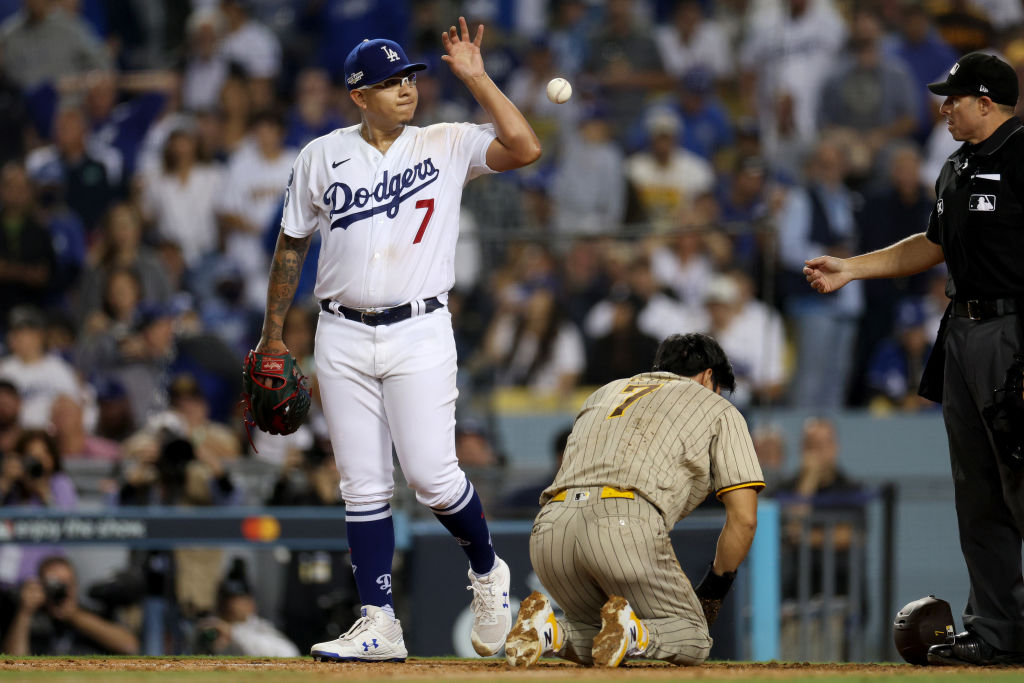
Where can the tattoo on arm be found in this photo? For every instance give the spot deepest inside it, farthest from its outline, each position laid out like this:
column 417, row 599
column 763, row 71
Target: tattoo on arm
column 289, row 255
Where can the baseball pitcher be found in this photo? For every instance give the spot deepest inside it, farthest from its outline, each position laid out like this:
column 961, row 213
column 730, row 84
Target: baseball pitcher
column 643, row 454
column 385, row 197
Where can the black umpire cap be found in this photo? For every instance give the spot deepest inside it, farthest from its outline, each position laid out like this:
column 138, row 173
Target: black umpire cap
column 980, row 74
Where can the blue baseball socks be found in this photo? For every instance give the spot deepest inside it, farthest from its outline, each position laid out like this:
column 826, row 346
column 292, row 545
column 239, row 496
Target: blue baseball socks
column 371, row 541
column 464, row 520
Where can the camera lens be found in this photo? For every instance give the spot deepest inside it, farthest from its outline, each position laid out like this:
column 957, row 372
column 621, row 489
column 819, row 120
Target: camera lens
column 34, row 468
column 56, row 592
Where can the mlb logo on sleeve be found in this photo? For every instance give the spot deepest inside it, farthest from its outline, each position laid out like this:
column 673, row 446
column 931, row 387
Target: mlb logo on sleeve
column 982, row 202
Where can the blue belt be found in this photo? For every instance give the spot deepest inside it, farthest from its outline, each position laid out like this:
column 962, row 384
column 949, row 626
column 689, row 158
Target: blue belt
column 385, row 316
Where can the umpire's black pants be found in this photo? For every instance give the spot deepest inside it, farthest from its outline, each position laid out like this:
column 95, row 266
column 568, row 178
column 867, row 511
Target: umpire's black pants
column 989, row 493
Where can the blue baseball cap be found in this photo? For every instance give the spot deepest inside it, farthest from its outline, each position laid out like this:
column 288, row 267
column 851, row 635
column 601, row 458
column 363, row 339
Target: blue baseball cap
column 373, row 61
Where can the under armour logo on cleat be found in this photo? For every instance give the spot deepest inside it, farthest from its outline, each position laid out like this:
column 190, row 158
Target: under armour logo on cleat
column 504, row 601
column 373, row 643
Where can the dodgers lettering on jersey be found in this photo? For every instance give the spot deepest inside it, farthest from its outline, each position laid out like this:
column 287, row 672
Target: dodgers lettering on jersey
column 387, row 195
column 388, row 222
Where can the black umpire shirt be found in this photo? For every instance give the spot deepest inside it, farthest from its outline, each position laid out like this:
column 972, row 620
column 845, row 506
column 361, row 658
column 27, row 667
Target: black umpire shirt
column 979, row 216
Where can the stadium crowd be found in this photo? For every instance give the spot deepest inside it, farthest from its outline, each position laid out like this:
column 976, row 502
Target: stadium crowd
column 708, row 149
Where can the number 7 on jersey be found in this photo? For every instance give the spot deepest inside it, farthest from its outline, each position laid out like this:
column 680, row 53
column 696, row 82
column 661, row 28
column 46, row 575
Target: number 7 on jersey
column 427, row 204
column 635, row 392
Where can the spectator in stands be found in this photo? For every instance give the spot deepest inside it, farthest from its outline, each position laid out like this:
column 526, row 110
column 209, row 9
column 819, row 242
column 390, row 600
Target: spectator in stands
column 707, row 130
column 820, row 483
column 50, row 620
column 181, row 197
column 693, row 41
column 139, row 361
column 735, row 319
column 114, row 420
column 237, row 628
column 927, row 55
column 235, row 110
column 14, row 117
column 162, row 468
column 746, row 199
column 527, row 88
column 205, row 67
column 254, row 47
column 623, row 62
column 898, row 361
column 589, row 181
column 39, row 376
column 27, row 258
column 480, row 459
column 964, row 26
column 785, row 59
column 213, row 443
column 887, row 215
column 120, row 247
column 625, row 350
column 123, row 125
column 666, row 177
column 871, row 95
column 74, row 441
column 34, row 476
column 119, row 307
column 83, row 174
column 42, row 42
column 253, row 184
column 10, row 415
column 818, row 219
column 536, row 346
column 770, row 446
column 682, row 263
column 313, row 113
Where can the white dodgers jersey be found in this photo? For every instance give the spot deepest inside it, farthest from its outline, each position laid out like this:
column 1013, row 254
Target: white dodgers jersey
column 388, row 222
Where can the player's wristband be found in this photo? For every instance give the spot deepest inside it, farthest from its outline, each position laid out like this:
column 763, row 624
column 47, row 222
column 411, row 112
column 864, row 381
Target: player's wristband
column 714, row 586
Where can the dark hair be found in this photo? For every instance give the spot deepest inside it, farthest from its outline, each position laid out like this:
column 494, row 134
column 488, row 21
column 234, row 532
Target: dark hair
column 691, row 354
column 53, row 560
column 30, row 435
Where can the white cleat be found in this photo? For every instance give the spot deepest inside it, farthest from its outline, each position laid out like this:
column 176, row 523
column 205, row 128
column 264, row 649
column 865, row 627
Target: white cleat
column 492, row 616
column 535, row 634
column 375, row 637
column 622, row 634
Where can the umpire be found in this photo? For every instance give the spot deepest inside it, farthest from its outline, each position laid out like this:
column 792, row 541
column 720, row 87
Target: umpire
column 977, row 228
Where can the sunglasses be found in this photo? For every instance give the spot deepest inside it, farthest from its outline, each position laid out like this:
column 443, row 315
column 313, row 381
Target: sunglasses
column 395, row 82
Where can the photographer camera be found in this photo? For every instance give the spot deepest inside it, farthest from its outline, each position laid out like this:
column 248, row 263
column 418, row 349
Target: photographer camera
column 237, row 629
column 49, row 620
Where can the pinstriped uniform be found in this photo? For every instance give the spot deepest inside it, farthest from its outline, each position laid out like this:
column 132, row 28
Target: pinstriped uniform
column 670, row 442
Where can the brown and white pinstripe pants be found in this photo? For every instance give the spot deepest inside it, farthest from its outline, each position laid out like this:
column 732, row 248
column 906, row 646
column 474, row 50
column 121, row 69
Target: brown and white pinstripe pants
column 585, row 550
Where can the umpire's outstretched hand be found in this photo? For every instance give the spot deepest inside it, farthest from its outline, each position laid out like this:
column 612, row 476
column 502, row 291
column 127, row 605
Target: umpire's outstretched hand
column 826, row 273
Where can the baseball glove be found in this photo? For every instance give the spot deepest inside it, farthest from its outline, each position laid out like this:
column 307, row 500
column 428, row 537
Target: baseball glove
column 275, row 392
column 711, row 592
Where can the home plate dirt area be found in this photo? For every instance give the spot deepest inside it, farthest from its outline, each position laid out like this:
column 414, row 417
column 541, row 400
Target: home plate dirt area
column 228, row 669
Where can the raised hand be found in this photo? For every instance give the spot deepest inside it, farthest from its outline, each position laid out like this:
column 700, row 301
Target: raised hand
column 826, row 273
column 463, row 54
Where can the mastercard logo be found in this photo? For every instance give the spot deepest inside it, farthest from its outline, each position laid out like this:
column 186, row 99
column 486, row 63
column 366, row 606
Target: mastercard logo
column 261, row 529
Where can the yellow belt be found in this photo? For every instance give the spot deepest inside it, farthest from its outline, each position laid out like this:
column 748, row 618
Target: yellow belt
column 606, row 492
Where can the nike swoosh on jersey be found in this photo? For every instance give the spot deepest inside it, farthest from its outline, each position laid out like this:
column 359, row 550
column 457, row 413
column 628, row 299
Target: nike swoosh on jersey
column 336, row 164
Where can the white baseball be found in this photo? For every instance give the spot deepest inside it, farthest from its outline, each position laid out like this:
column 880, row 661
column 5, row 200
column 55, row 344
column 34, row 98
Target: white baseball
column 559, row 90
